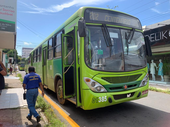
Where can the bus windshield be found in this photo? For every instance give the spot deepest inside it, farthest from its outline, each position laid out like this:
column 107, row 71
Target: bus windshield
column 118, row 55
column 22, row 65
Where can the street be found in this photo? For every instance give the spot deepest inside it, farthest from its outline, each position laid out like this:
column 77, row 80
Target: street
column 152, row 111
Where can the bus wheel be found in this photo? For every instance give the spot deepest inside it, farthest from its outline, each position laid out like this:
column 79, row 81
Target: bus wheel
column 59, row 92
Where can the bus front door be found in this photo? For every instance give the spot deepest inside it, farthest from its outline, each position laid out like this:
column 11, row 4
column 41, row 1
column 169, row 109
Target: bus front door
column 71, row 68
column 45, row 67
column 68, row 66
column 77, row 66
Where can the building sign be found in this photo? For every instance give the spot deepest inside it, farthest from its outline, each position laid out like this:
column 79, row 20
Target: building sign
column 8, row 15
column 111, row 17
column 158, row 36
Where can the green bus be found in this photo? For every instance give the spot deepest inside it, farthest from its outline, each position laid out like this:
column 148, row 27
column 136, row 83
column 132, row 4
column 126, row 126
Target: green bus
column 22, row 66
column 27, row 64
column 96, row 58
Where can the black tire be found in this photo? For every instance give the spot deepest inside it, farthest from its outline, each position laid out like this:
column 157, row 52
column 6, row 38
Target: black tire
column 59, row 92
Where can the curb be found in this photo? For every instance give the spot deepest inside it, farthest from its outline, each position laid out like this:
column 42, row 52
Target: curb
column 62, row 113
column 44, row 118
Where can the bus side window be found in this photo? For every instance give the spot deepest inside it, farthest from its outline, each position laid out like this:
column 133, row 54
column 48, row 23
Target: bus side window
column 78, row 42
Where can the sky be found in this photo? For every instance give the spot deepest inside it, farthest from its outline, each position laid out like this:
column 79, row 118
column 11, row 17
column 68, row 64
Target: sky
column 37, row 19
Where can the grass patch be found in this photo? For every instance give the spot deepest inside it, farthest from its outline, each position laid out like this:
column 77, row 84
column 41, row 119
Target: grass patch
column 159, row 90
column 53, row 121
column 42, row 104
column 20, row 77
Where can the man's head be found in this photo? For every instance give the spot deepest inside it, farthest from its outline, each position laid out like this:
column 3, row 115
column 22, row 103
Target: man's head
column 31, row 69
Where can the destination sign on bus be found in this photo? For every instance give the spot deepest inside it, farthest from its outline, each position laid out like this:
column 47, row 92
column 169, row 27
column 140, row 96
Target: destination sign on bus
column 111, row 17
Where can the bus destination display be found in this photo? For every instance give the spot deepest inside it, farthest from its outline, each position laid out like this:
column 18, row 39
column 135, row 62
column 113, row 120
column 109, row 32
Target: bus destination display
column 111, row 17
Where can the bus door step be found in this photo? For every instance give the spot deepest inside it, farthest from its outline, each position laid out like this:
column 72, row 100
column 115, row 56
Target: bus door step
column 73, row 100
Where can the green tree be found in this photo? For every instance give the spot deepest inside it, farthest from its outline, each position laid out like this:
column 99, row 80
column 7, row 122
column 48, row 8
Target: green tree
column 19, row 59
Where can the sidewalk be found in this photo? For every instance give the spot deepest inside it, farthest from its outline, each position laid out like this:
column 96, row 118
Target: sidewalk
column 13, row 109
column 159, row 85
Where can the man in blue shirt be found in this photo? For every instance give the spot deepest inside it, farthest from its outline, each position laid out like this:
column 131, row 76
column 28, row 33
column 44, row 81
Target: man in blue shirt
column 31, row 82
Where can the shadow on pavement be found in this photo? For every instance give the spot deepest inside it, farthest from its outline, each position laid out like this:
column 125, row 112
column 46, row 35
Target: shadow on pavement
column 128, row 114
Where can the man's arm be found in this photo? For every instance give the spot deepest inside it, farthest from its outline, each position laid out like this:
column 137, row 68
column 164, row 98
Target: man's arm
column 42, row 89
column 24, row 86
column 24, row 83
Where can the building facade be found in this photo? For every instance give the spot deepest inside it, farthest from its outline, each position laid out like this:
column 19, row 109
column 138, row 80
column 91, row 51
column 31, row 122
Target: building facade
column 158, row 35
column 0, row 54
column 26, row 52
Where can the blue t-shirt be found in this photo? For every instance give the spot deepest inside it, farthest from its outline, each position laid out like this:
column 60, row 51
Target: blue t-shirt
column 32, row 80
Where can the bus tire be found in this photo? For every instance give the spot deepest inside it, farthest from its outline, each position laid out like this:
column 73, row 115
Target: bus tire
column 59, row 92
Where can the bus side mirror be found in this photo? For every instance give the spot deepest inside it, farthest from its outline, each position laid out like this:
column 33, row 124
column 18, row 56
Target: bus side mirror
column 82, row 28
column 148, row 47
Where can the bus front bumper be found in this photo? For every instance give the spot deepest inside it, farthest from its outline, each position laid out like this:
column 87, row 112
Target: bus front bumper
column 92, row 100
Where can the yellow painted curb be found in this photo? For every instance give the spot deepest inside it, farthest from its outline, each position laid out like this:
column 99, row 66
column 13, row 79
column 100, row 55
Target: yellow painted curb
column 71, row 121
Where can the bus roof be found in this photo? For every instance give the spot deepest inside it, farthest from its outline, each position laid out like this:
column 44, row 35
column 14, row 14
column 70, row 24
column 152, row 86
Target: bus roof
column 78, row 13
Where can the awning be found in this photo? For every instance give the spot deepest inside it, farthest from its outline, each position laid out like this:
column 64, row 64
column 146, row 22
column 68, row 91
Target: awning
column 163, row 48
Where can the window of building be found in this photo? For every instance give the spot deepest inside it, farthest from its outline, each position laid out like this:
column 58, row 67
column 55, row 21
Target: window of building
column 159, row 67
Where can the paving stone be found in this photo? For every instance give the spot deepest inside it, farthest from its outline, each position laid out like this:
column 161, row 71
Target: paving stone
column 13, row 109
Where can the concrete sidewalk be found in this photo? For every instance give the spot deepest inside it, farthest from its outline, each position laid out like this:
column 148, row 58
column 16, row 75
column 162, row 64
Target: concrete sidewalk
column 160, row 85
column 13, row 109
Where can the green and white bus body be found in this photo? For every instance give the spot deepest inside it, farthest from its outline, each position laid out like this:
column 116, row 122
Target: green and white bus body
column 37, row 60
column 95, row 59
column 28, row 63
column 22, row 66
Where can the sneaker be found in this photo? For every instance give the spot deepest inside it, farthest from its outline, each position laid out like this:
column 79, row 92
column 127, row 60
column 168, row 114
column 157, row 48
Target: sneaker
column 28, row 117
column 38, row 119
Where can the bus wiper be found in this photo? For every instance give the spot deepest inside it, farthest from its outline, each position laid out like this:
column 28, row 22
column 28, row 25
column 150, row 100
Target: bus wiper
column 129, row 38
column 106, row 37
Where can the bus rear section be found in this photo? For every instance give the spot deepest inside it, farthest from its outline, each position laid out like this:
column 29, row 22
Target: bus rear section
column 22, row 67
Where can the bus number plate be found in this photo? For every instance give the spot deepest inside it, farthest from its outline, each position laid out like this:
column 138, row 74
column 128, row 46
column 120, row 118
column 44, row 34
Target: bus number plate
column 99, row 99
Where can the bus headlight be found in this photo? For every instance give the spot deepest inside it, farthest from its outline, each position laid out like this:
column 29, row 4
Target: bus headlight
column 94, row 86
column 144, row 81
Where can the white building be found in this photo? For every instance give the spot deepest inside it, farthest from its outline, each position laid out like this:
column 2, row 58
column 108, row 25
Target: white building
column 26, row 52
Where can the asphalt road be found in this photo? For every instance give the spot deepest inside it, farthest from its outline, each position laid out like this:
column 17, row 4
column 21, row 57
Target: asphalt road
column 152, row 111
